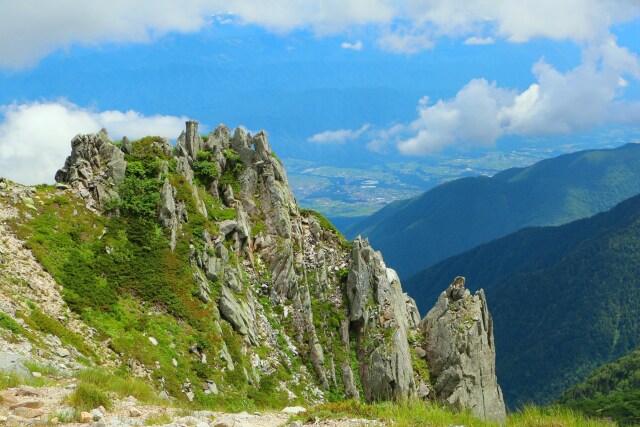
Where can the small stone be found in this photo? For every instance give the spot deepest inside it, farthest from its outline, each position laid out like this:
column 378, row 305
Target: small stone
column 63, row 352
column 423, row 390
column 55, row 420
column 202, row 424
column 190, row 396
column 7, row 398
column 164, row 395
column 25, row 412
column 213, row 388
column 174, row 362
column 36, row 374
column 85, row 417
column 294, row 410
column 153, row 341
column 33, row 404
column 97, row 415
column 135, row 412
column 421, row 352
column 15, row 421
column 296, row 424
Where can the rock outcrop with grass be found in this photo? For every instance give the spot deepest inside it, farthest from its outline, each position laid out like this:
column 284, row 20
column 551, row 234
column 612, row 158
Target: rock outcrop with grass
column 461, row 354
column 193, row 268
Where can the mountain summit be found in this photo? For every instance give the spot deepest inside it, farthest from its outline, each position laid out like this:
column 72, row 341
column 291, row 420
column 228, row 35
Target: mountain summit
column 193, row 267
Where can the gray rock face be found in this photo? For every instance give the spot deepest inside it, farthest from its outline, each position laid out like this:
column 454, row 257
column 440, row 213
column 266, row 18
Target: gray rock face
column 378, row 311
column 168, row 214
column 11, row 363
column 461, row 353
column 257, row 243
column 189, row 142
column 94, row 168
column 239, row 313
column 350, row 389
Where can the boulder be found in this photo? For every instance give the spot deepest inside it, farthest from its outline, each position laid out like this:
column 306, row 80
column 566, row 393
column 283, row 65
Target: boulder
column 94, row 168
column 12, row 363
column 461, row 352
column 227, row 226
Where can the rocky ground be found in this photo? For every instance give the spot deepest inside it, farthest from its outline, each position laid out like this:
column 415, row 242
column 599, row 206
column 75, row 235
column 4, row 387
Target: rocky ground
column 23, row 406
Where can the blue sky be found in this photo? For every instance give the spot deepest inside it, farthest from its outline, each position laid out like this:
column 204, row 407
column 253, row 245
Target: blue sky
column 348, row 81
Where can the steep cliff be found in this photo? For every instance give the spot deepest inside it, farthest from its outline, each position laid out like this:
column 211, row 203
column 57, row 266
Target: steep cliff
column 194, row 267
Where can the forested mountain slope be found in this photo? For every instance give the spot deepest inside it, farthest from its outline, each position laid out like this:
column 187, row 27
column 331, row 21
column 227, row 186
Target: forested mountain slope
column 565, row 299
column 459, row 215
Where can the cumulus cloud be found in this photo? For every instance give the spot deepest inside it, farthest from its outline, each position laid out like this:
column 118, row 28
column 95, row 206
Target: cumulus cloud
column 35, row 138
column 556, row 103
column 353, row 46
column 33, row 29
column 339, row 136
column 474, row 40
column 30, row 30
column 469, row 118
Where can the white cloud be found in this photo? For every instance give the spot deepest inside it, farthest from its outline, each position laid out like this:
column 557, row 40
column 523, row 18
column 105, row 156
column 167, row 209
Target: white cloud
column 474, row 40
column 339, row 136
column 471, row 118
column 557, row 103
column 403, row 41
column 35, row 138
column 353, row 46
column 322, row 17
column 30, row 30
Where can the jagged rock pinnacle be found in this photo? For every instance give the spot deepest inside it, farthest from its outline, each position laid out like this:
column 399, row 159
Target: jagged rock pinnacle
column 461, row 354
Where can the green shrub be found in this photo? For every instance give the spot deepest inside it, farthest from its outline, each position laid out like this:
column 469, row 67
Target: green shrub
column 66, row 415
column 140, row 196
column 148, row 148
column 44, row 323
column 89, row 396
column 122, row 385
column 8, row 323
column 158, row 419
column 205, row 170
column 220, row 213
column 232, row 171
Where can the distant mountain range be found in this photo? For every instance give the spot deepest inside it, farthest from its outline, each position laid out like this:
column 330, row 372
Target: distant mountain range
column 565, row 299
column 612, row 390
column 456, row 216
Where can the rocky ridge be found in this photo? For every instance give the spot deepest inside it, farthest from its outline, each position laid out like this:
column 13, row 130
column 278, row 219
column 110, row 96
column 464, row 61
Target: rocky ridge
column 286, row 296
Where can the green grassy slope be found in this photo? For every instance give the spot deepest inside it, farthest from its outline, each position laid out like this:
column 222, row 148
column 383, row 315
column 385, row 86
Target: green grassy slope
column 459, row 215
column 564, row 299
column 612, row 390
